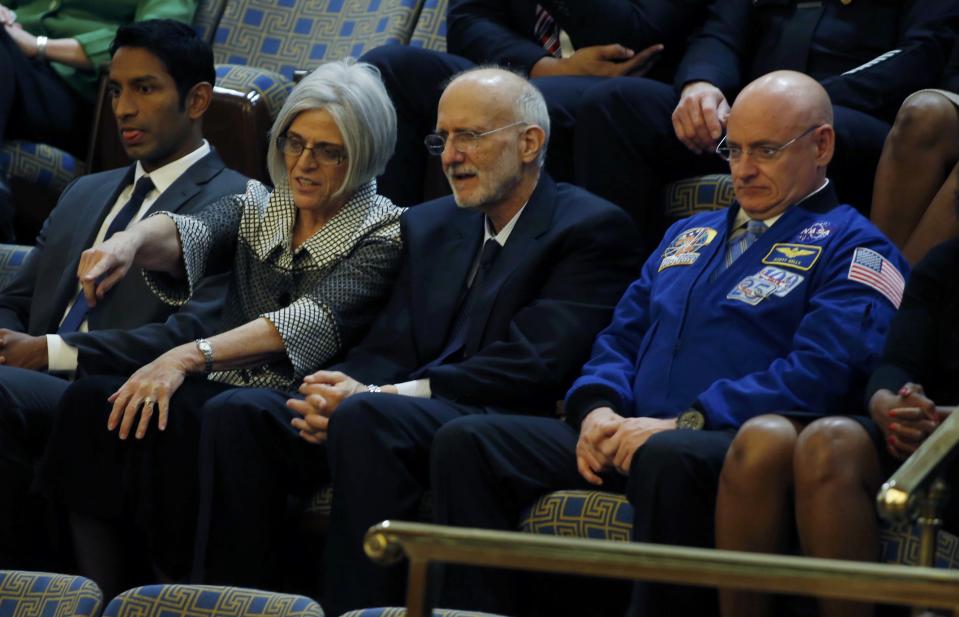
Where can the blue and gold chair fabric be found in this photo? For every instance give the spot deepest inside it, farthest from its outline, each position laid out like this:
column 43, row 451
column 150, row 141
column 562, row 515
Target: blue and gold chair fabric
column 206, row 18
column 11, row 258
column 39, row 164
column 286, row 35
column 401, row 612
column 208, row 601
column 698, row 194
column 271, row 87
column 40, row 594
column 608, row 516
column 430, row 30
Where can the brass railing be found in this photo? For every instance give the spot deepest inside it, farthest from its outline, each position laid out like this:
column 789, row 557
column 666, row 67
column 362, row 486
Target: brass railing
column 870, row 582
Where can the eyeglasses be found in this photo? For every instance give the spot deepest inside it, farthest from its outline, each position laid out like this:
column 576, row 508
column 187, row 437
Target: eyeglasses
column 759, row 153
column 461, row 141
column 321, row 153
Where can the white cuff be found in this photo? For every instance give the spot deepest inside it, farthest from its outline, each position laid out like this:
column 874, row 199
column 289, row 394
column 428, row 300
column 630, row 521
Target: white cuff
column 61, row 358
column 420, row 388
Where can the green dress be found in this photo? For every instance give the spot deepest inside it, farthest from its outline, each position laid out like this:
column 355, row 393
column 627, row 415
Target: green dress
column 93, row 23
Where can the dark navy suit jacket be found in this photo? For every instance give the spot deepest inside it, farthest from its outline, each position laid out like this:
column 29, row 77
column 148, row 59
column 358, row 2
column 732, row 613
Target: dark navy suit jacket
column 119, row 341
column 868, row 54
column 550, row 290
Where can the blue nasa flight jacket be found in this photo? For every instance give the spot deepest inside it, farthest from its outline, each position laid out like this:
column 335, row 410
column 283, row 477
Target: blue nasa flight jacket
column 795, row 324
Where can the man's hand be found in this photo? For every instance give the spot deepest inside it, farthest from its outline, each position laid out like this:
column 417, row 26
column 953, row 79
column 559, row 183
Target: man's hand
column 23, row 351
column 631, row 436
column 700, row 116
column 8, row 17
column 151, row 387
column 906, row 418
column 598, row 61
column 103, row 265
column 597, row 445
column 24, row 40
column 323, row 392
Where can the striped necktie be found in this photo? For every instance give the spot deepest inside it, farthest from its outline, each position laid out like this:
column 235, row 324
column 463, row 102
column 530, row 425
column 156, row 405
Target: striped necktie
column 739, row 242
column 547, row 32
column 78, row 312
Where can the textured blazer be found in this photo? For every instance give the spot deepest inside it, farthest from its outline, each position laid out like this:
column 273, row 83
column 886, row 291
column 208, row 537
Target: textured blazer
column 34, row 301
column 550, row 290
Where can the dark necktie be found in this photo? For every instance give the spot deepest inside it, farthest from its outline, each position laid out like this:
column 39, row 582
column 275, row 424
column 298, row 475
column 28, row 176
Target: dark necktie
column 738, row 245
column 456, row 339
column 78, row 312
column 546, row 31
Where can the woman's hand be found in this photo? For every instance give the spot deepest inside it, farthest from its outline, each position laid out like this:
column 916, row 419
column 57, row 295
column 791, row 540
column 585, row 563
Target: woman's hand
column 906, row 418
column 149, row 388
column 102, row 266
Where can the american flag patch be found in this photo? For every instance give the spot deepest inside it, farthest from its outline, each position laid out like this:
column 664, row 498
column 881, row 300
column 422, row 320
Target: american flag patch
column 873, row 270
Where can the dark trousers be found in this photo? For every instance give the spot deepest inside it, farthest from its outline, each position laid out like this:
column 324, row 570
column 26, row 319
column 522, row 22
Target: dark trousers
column 626, row 149
column 379, row 454
column 28, row 400
column 251, row 461
column 147, row 487
column 415, row 79
column 486, row 470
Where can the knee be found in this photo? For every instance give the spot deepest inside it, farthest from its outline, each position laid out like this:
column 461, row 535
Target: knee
column 356, row 419
column 236, row 413
column 761, row 452
column 922, row 120
column 830, row 452
column 87, row 398
column 456, row 443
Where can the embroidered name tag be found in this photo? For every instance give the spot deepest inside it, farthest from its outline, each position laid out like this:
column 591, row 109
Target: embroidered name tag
column 799, row 256
column 770, row 281
column 684, row 250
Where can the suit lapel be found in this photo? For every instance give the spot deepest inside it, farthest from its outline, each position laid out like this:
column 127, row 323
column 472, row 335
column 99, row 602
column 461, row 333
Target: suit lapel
column 187, row 185
column 532, row 224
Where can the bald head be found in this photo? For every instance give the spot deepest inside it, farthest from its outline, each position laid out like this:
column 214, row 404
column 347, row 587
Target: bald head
column 791, row 96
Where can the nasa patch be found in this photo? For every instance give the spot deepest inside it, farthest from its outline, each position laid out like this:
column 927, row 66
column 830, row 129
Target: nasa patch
column 684, row 249
column 770, row 281
column 815, row 232
column 799, row 256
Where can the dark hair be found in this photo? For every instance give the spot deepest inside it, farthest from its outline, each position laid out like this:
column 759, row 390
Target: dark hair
column 188, row 59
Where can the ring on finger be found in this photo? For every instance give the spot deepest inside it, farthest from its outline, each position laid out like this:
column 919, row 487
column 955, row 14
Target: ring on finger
column 147, row 401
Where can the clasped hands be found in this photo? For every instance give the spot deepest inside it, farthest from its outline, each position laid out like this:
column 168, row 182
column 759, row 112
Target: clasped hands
column 323, row 391
column 906, row 418
column 609, row 441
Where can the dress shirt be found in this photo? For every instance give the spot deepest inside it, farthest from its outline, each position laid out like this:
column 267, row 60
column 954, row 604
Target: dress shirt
column 62, row 357
column 421, row 387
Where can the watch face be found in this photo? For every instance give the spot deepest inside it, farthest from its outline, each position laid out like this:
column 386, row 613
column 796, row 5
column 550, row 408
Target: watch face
column 691, row 419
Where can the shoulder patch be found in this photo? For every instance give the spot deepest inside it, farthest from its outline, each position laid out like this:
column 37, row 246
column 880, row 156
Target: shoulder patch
column 873, row 270
column 798, row 256
column 684, row 249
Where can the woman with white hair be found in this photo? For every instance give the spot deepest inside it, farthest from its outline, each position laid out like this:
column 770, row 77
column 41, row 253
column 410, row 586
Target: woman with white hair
column 311, row 263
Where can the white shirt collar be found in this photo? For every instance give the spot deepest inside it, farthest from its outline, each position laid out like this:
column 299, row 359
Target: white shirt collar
column 164, row 176
column 504, row 233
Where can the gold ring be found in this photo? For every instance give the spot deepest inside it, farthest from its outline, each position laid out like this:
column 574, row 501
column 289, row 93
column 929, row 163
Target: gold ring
column 147, row 401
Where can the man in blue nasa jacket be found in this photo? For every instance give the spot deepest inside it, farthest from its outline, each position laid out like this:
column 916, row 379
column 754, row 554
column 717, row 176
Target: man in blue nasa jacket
column 780, row 304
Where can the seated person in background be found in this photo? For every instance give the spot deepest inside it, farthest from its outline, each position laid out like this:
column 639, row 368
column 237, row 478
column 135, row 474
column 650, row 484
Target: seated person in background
column 565, row 46
column 50, row 54
column 834, row 466
column 160, row 87
column 752, row 310
column 501, row 289
column 635, row 135
column 918, row 176
column 311, row 262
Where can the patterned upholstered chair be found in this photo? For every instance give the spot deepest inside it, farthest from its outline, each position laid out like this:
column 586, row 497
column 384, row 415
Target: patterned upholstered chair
column 595, row 514
column 698, row 194
column 47, row 595
column 208, row 601
column 430, row 30
column 11, row 258
column 401, row 612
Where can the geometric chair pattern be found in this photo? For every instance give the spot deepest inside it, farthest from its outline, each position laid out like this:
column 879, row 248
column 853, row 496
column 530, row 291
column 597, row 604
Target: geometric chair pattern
column 288, row 35
column 208, row 601
column 430, row 30
column 272, row 87
column 206, row 18
column 40, row 594
column 401, row 612
column 594, row 514
column 38, row 164
column 11, row 258
column 690, row 196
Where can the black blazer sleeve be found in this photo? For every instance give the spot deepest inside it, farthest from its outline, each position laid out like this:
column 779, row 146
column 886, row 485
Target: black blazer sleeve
column 485, row 32
column 550, row 337
column 717, row 53
column 926, row 36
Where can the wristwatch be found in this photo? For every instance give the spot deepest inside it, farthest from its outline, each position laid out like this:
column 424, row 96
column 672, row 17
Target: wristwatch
column 691, row 420
column 207, row 350
column 374, row 389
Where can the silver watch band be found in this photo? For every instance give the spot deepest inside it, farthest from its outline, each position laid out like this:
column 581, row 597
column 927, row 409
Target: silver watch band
column 207, row 350
column 42, row 48
column 372, row 388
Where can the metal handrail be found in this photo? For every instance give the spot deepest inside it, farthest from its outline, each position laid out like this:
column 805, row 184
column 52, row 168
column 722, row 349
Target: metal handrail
column 423, row 544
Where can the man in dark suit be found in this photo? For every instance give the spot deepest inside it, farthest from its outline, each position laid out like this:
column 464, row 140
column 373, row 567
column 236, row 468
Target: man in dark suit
column 567, row 46
column 160, row 86
column 633, row 136
column 501, row 288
